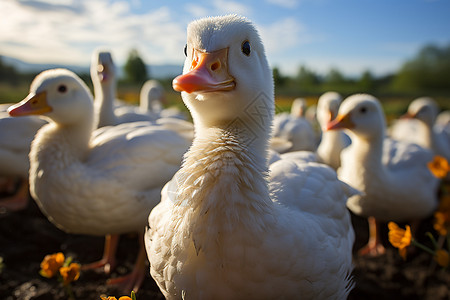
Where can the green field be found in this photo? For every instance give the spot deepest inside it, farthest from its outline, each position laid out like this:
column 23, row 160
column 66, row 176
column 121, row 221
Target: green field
column 394, row 106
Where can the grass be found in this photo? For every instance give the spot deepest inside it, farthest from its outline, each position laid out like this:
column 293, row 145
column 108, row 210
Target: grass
column 393, row 106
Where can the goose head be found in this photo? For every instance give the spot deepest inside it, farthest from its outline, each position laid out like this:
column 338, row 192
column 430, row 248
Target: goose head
column 298, row 108
column 102, row 67
column 151, row 96
column 226, row 76
column 327, row 107
column 424, row 109
column 362, row 115
column 59, row 95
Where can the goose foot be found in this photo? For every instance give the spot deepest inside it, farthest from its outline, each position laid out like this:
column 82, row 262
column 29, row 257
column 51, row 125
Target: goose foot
column 372, row 250
column 19, row 200
column 374, row 246
column 108, row 261
column 132, row 281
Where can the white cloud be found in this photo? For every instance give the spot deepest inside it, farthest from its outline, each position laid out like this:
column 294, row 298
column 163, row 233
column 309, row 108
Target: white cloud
column 283, row 35
column 197, row 10
column 39, row 31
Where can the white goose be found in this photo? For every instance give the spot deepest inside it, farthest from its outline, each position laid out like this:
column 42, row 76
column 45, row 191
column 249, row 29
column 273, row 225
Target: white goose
column 152, row 98
column 443, row 122
column 425, row 110
column 396, row 182
column 103, row 77
column 442, row 125
column 295, row 128
column 98, row 186
column 332, row 142
column 224, row 229
column 15, row 140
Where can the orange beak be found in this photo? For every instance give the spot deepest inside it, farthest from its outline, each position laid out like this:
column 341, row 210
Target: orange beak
column 407, row 115
column 33, row 104
column 331, row 116
column 341, row 122
column 208, row 73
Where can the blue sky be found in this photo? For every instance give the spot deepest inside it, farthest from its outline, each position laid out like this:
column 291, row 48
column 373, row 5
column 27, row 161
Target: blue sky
column 350, row 35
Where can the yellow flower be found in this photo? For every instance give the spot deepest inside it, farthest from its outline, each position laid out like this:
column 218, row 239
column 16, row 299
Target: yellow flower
column 70, row 273
column 442, row 216
column 114, row 298
column 51, row 264
column 442, row 258
column 400, row 238
column 442, row 222
column 439, row 166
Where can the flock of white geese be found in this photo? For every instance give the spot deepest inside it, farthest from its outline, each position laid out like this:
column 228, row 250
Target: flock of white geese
column 227, row 217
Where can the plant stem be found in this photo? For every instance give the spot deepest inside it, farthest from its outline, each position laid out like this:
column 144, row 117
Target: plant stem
column 69, row 292
column 425, row 248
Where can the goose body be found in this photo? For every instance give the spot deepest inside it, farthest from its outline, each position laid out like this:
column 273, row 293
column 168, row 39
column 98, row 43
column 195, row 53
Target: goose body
column 94, row 186
column 421, row 116
column 152, row 99
column 443, row 122
column 397, row 184
column 393, row 176
column 294, row 128
column 16, row 136
column 227, row 226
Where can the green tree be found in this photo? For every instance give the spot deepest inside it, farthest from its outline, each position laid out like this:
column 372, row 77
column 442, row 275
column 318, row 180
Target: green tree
column 306, row 79
column 334, row 77
column 367, row 82
column 135, row 68
column 428, row 71
column 8, row 73
column 278, row 79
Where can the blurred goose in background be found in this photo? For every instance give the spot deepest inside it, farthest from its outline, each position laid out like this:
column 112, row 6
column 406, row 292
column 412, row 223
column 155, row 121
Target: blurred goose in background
column 442, row 125
column 293, row 127
column 332, row 142
column 396, row 182
column 103, row 76
column 425, row 111
column 15, row 140
column 95, row 183
column 152, row 98
column 224, row 229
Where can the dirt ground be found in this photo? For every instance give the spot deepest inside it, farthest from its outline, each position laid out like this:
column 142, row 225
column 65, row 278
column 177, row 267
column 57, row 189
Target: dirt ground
column 26, row 237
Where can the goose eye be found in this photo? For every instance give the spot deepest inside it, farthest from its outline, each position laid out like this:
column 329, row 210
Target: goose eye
column 246, row 48
column 363, row 110
column 62, row 88
column 185, row 50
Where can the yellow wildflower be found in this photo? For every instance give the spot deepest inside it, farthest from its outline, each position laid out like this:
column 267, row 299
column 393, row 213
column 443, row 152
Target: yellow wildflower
column 442, row 216
column 442, row 258
column 133, row 297
column 70, row 273
column 51, row 264
column 399, row 238
column 439, row 166
column 442, row 222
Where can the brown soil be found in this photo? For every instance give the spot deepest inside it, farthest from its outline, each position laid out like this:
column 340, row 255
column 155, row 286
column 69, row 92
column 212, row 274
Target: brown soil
column 27, row 236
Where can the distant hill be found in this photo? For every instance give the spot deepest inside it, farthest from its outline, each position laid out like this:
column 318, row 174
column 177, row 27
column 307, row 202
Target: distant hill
column 155, row 71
